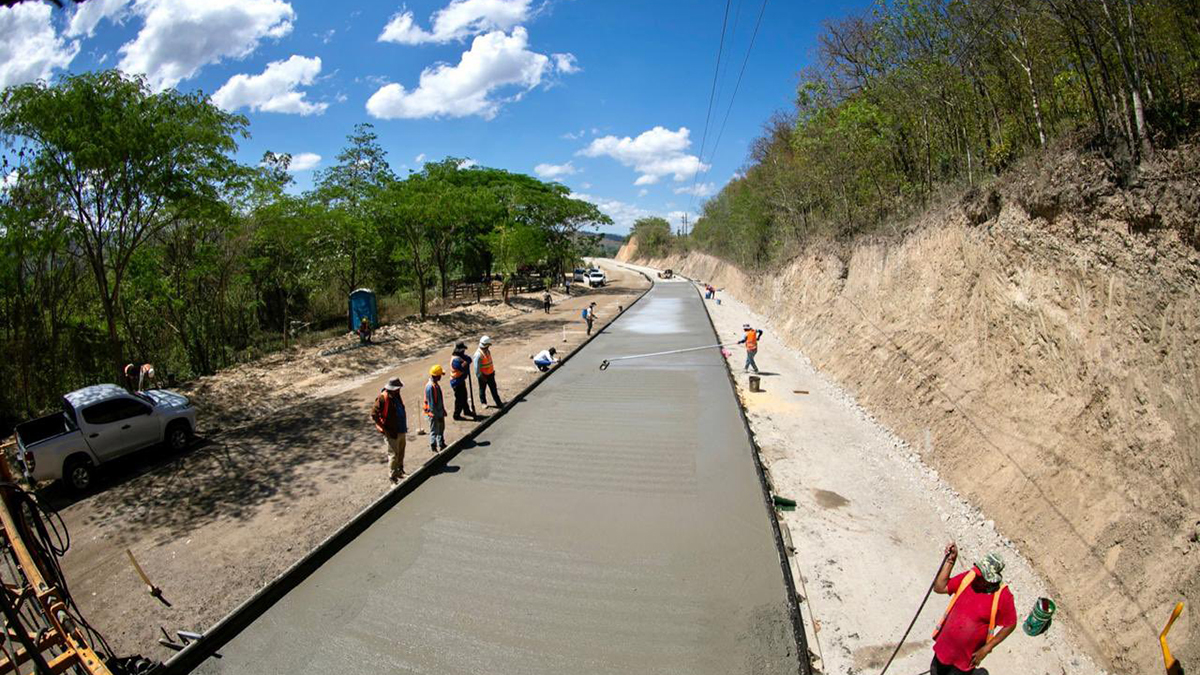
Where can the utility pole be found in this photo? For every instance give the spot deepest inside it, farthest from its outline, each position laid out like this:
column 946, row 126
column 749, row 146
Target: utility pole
column 684, row 229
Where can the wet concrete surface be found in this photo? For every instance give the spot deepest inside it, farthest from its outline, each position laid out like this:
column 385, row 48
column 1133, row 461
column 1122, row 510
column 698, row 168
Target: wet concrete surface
column 612, row 522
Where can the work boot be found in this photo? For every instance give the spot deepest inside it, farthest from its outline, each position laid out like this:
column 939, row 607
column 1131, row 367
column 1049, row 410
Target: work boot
column 457, row 418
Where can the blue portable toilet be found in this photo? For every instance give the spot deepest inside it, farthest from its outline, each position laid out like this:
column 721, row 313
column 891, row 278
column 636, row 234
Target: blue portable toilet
column 363, row 304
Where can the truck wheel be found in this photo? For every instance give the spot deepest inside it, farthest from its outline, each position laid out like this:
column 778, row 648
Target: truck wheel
column 179, row 436
column 79, row 473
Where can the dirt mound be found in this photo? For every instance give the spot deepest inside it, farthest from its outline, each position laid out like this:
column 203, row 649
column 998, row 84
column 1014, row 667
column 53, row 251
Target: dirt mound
column 1039, row 340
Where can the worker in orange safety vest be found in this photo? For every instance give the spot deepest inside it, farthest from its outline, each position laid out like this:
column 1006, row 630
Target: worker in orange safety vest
column 485, row 372
column 751, row 341
column 435, row 409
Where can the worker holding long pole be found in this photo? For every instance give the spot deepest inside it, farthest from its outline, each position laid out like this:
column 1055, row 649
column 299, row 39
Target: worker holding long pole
column 981, row 614
column 460, row 378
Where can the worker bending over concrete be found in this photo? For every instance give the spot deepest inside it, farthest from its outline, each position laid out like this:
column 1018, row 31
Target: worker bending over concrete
column 460, row 370
column 751, row 341
column 980, row 603
column 545, row 359
column 485, row 371
column 391, row 421
column 435, row 409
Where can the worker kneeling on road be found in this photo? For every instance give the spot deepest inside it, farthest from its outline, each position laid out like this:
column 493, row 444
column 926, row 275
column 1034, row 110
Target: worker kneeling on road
column 980, row 603
column 391, row 421
column 751, row 341
column 545, row 359
column 435, row 409
column 460, row 370
column 485, row 371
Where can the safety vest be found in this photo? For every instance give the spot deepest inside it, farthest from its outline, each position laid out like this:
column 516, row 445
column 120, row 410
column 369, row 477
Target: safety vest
column 456, row 367
column 962, row 586
column 752, row 340
column 434, row 392
column 485, row 363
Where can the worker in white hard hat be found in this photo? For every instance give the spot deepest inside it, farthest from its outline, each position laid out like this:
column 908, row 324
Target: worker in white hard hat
column 485, row 372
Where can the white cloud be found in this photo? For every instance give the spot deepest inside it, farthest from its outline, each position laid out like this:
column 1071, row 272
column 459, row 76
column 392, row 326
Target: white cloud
column 30, row 49
column 8, row 180
column 274, row 90
column 419, row 159
column 698, row 190
column 643, row 192
column 457, row 21
column 573, row 135
column 676, row 218
column 555, row 171
column 494, row 61
column 655, row 153
column 566, row 63
column 88, row 14
column 182, row 36
column 622, row 214
column 304, row 161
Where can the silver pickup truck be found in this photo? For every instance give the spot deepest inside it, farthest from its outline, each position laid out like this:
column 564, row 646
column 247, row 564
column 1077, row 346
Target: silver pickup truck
column 99, row 424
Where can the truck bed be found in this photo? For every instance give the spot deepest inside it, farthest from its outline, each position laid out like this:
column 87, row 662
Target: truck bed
column 42, row 428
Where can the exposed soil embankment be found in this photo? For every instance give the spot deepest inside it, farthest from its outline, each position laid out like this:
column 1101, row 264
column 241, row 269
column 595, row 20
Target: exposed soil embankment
column 1046, row 365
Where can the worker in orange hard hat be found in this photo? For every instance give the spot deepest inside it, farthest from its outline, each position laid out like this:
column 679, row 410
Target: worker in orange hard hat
column 435, row 409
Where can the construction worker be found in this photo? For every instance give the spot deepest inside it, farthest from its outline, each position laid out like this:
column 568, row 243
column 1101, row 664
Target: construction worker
column 435, row 409
column 751, row 341
column 485, row 372
column 545, row 359
column 546, row 302
column 589, row 315
column 138, row 375
column 364, row 331
column 460, row 370
column 391, row 421
column 979, row 598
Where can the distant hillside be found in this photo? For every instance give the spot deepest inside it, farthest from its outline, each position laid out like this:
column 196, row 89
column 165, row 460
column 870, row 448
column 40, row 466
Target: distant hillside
column 611, row 243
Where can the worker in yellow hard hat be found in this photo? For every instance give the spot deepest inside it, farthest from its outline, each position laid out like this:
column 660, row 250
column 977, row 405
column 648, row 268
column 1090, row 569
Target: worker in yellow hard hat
column 435, row 409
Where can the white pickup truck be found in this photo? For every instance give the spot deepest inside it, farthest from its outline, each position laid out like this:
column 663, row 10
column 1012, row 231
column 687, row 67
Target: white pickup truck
column 99, row 424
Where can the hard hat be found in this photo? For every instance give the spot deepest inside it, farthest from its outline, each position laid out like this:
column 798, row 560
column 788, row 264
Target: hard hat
column 745, row 326
column 485, row 341
column 436, row 370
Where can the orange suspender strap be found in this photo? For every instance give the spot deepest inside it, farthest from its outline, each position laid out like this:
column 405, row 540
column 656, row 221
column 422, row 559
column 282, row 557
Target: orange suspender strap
column 962, row 586
column 995, row 608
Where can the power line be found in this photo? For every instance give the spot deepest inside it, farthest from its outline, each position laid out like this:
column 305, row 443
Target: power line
column 711, row 95
column 762, row 10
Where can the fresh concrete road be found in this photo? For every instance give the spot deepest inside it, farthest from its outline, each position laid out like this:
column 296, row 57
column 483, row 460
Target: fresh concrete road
column 611, row 522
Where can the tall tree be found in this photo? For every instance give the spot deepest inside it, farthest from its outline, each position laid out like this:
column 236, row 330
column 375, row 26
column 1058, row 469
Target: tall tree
column 127, row 162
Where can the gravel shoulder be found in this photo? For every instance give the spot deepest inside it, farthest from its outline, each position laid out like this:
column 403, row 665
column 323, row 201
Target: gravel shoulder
column 286, row 455
column 871, row 521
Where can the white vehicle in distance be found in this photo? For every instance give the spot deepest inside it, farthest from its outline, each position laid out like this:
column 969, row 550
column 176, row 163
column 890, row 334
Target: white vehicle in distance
column 580, row 275
column 596, row 277
column 99, row 424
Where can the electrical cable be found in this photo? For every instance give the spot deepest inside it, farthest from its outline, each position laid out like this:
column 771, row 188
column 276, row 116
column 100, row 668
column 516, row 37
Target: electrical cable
column 738, row 85
column 711, row 95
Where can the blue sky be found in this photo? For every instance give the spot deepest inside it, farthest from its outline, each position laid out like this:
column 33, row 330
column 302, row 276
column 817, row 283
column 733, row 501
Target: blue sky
column 607, row 97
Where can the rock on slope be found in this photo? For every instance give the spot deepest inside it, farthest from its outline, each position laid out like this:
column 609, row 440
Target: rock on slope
column 1046, row 334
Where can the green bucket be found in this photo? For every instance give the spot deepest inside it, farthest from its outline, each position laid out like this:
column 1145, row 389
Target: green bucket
column 1039, row 619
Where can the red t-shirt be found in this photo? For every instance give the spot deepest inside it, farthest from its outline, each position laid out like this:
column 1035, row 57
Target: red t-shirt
column 965, row 630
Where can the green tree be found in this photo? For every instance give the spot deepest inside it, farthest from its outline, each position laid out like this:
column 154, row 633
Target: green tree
column 125, row 162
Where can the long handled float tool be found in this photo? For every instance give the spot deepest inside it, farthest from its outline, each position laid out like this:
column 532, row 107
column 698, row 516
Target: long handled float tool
column 607, row 362
column 914, row 619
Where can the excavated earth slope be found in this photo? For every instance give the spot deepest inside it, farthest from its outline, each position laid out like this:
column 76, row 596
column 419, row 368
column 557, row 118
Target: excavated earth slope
column 1046, row 365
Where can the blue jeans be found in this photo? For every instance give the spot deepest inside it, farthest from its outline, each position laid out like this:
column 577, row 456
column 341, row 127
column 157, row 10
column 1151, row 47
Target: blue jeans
column 542, row 365
column 750, row 364
column 437, row 432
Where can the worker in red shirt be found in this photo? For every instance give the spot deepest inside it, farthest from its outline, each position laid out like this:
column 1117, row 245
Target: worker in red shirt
column 981, row 614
